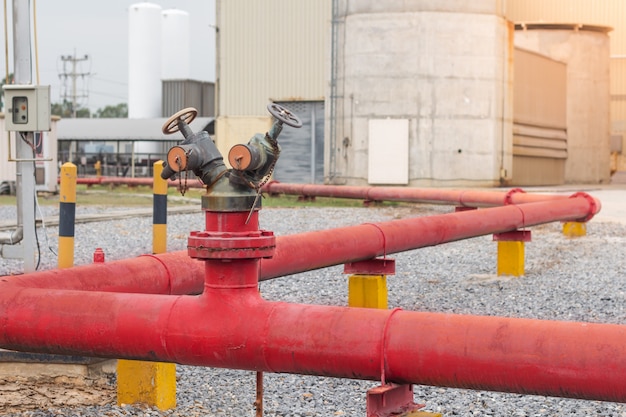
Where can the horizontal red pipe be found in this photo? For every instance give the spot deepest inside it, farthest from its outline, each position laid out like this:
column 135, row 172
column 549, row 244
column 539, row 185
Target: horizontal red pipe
column 176, row 273
column 236, row 329
column 135, row 181
column 463, row 198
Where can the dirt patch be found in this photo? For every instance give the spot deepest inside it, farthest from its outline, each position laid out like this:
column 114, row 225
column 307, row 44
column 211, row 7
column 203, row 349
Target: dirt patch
column 33, row 393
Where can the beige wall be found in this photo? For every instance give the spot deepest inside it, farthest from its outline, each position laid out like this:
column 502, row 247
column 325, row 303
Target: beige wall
column 270, row 50
column 238, row 129
column 610, row 13
column 267, row 50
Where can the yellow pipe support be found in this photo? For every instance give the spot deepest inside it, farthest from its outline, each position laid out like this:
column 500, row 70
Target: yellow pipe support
column 574, row 229
column 67, row 215
column 511, row 258
column 150, row 383
column 367, row 291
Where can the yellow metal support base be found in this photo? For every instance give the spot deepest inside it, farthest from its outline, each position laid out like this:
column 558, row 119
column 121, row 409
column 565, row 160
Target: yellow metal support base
column 367, row 291
column 422, row 414
column 574, row 229
column 149, row 383
column 511, row 258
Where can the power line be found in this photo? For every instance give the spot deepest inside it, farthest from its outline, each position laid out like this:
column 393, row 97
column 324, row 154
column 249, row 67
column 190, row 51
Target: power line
column 73, row 76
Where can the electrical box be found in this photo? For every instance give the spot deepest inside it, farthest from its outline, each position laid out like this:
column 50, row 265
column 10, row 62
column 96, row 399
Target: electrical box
column 28, row 107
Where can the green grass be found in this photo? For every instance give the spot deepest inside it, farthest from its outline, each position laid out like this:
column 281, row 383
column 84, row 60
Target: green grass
column 141, row 196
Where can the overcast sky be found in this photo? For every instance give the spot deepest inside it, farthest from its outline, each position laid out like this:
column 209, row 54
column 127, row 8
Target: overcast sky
column 99, row 29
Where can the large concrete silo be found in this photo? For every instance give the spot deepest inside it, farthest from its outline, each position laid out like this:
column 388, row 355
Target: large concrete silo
column 420, row 93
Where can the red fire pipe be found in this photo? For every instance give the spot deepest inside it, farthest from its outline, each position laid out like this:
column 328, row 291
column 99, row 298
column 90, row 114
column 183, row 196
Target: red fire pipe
column 463, row 198
column 230, row 326
column 176, row 273
column 133, row 181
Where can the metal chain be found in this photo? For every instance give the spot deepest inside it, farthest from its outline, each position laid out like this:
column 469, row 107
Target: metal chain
column 182, row 189
column 276, row 151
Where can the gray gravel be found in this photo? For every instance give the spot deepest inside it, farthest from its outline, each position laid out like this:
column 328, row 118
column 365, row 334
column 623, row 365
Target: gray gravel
column 566, row 279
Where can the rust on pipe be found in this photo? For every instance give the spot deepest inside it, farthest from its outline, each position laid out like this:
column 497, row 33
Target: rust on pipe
column 464, row 198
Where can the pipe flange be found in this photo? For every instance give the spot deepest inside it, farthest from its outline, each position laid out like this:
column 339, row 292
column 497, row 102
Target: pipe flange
column 231, row 245
column 508, row 197
column 594, row 206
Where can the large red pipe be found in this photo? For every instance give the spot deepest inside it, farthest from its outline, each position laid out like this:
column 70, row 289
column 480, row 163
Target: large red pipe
column 230, row 326
column 234, row 328
column 463, row 198
column 176, row 273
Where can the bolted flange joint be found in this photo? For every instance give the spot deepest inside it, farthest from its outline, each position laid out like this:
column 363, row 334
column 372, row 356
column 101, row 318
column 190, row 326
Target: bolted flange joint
column 231, row 245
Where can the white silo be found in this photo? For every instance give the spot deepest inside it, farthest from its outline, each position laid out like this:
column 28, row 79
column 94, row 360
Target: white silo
column 144, row 61
column 175, row 45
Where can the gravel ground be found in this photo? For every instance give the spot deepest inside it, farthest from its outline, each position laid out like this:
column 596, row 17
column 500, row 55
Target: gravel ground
column 566, row 279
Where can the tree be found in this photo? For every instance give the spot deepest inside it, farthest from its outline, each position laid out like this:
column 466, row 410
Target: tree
column 118, row 111
column 64, row 109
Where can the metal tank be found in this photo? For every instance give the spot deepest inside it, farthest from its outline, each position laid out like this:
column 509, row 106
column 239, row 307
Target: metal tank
column 175, row 45
column 144, row 61
column 585, row 50
column 144, row 75
column 420, row 93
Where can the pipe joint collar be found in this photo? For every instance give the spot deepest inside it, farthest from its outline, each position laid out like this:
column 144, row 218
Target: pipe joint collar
column 231, row 245
column 594, row 205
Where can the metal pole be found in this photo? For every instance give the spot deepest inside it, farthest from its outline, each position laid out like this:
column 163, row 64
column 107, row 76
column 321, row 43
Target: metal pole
column 313, row 156
column 25, row 170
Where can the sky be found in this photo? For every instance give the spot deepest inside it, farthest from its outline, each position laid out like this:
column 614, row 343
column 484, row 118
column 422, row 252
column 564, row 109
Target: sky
column 99, row 29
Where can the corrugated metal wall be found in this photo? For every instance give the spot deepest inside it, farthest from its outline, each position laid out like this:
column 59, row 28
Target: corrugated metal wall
column 178, row 94
column 256, row 62
column 606, row 13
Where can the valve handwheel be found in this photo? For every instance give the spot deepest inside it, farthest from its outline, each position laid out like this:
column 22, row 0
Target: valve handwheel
column 186, row 115
column 283, row 115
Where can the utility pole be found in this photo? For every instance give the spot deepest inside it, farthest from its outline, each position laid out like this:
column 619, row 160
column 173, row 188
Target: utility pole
column 73, row 75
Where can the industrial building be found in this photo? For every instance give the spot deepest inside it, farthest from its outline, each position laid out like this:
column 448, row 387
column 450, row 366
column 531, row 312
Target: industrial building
column 429, row 93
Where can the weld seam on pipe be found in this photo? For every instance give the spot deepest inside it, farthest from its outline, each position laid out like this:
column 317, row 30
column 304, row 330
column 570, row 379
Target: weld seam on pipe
column 170, row 284
column 383, row 345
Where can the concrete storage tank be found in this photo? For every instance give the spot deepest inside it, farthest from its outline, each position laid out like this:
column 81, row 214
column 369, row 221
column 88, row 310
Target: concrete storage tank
column 144, row 61
column 175, row 45
column 420, row 93
column 585, row 50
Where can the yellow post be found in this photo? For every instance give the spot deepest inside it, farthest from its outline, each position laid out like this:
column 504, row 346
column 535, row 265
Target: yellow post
column 367, row 286
column 511, row 258
column 574, row 229
column 159, row 210
column 511, row 252
column 67, row 215
column 367, row 291
column 150, row 383
column 98, row 167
